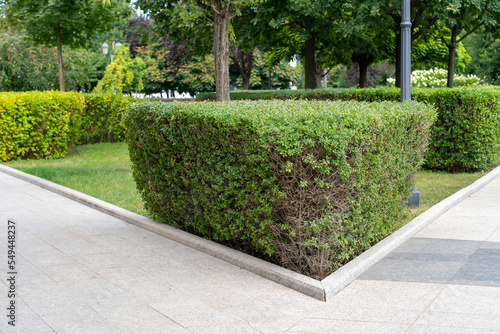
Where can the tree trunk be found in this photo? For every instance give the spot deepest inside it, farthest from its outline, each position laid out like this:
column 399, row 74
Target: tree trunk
column 363, row 74
column 222, row 16
column 319, row 75
column 310, row 67
column 244, row 63
column 270, row 79
column 60, row 59
column 451, row 56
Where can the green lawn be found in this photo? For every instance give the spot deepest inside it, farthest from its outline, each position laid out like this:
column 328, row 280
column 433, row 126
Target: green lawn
column 103, row 171
column 99, row 170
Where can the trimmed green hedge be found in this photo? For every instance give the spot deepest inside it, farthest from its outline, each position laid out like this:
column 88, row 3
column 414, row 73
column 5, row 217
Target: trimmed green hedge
column 35, row 125
column 101, row 119
column 308, row 185
column 466, row 136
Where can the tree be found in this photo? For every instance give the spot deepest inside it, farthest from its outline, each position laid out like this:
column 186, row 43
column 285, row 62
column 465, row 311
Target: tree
column 282, row 74
column 62, row 22
column 123, row 74
column 462, row 18
column 177, row 20
column 485, row 53
column 376, row 12
column 27, row 67
column 304, row 27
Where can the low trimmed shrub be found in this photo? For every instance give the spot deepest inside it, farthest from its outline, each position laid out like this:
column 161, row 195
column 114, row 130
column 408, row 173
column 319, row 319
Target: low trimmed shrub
column 308, row 185
column 35, row 125
column 465, row 138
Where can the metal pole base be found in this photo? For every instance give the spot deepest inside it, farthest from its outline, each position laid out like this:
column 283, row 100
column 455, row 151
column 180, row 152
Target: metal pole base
column 414, row 200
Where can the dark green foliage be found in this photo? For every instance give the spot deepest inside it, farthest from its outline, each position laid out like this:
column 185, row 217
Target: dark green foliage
column 100, row 120
column 308, row 184
column 466, row 136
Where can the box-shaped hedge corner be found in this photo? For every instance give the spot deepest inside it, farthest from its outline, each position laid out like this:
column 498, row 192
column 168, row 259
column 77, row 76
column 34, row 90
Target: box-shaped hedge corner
column 305, row 184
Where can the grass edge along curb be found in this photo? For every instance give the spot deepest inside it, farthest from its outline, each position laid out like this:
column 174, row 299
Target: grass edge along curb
column 321, row 290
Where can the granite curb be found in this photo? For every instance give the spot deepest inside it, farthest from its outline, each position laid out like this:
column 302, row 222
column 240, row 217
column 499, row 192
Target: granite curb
column 322, row 290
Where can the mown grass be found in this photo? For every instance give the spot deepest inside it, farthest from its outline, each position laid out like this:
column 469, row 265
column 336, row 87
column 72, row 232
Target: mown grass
column 99, row 170
column 103, row 171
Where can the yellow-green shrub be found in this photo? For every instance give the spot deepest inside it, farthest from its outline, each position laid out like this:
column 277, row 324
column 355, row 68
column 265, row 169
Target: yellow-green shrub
column 35, row 125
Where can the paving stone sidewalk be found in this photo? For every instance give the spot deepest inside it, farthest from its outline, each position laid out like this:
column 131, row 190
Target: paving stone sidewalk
column 82, row 271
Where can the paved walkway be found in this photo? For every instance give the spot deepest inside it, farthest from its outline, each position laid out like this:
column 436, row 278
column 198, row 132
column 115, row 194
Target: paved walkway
column 81, row 271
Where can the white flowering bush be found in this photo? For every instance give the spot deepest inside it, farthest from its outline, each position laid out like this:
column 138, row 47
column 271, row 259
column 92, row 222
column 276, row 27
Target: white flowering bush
column 438, row 78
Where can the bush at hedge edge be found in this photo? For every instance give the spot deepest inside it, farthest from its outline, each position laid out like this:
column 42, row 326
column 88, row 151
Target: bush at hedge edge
column 465, row 138
column 307, row 185
column 35, row 125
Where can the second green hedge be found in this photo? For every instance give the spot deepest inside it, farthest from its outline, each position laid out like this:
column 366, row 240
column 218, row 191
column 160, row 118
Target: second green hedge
column 466, row 136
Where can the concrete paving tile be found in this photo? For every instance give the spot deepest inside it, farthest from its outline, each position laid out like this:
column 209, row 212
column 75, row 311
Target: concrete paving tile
column 495, row 236
column 429, row 329
column 366, row 313
column 315, row 325
column 86, row 230
column 182, row 253
column 133, row 316
column 199, row 314
column 490, row 191
column 131, row 279
column 460, row 320
column 460, row 228
column 438, row 246
column 234, row 328
column 101, row 260
column 81, row 323
column 413, row 271
column 490, row 245
column 261, row 316
column 476, row 207
column 112, row 243
column 70, row 272
column 387, row 295
column 27, row 324
column 54, row 257
column 468, row 299
column 484, row 265
column 77, row 247
column 97, row 290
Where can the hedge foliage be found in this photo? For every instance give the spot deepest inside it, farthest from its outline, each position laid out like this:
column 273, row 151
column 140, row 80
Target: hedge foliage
column 466, row 136
column 308, row 185
column 101, row 119
column 36, row 125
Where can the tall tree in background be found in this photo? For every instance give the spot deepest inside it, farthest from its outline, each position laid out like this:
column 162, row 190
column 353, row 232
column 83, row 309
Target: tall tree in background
column 462, row 18
column 64, row 22
column 183, row 20
column 485, row 53
column 302, row 27
column 423, row 19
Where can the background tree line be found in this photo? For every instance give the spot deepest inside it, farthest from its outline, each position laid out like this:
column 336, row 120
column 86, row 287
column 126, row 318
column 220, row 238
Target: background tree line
column 205, row 45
